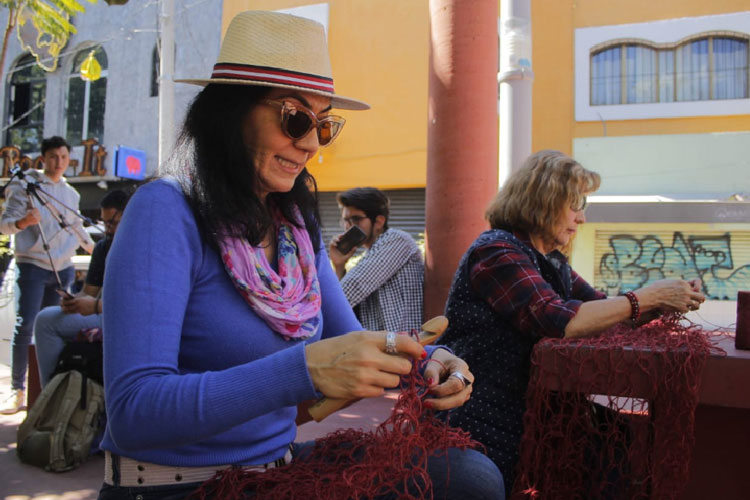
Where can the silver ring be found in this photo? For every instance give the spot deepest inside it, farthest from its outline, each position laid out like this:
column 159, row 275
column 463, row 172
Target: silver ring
column 390, row 343
column 460, row 376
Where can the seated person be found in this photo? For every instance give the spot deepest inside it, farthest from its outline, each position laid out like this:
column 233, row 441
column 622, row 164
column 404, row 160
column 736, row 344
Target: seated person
column 55, row 325
column 385, row 286
column 514, row 287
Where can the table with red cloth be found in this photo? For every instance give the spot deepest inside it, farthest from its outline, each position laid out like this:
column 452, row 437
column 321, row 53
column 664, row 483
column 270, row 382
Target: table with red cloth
column 610, row 371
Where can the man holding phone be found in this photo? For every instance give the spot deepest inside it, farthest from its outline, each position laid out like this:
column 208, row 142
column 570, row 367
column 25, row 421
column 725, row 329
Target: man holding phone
column 40, row 269
column 57, row 325
column 385, row 287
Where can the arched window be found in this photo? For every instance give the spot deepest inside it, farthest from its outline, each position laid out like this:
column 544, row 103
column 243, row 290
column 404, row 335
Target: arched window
column 626, row 73
column 700, row 69
column 25, row 120
column 84, row 111
column 712, row 68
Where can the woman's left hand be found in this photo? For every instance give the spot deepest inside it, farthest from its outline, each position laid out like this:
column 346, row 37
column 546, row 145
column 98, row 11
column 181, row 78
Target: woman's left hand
column 447, row 390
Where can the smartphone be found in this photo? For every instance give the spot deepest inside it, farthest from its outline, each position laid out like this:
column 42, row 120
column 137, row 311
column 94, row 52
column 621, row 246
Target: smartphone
column 64, row 293
column 351, row 238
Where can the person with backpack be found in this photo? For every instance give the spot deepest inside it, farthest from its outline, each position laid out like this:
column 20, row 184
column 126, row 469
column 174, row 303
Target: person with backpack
column 56, row 325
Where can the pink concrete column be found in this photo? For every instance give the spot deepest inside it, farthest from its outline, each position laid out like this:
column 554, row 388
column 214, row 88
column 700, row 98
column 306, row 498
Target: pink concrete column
column 462, row 136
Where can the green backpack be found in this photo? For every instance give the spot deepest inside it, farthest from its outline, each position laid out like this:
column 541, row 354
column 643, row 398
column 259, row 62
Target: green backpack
column 59, row 429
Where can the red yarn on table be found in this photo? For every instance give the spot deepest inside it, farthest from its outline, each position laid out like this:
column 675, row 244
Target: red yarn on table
column 354, row 464
column 635, row 448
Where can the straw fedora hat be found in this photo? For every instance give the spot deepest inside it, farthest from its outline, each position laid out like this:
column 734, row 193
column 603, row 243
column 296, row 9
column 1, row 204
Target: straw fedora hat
column 271, row 49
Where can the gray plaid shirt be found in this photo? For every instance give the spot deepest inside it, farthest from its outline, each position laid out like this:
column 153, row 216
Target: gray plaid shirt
column 385, row 287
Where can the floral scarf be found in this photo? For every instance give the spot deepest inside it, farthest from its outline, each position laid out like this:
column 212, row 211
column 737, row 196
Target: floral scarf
column 288, row 301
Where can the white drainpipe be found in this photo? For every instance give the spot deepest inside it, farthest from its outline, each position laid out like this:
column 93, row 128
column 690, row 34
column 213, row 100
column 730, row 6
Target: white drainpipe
column 514, row 79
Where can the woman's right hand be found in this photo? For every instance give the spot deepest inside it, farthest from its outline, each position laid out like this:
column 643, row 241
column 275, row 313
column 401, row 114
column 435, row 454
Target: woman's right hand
column 356, row 365
column 671, row 295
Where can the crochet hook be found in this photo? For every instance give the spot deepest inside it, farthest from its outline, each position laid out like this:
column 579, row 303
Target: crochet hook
column 431, row 331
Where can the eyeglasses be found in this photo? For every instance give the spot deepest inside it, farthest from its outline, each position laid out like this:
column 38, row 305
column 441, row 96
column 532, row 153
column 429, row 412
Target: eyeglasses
column 354, row 220
column 580, row 206
column 297, row 121
column 115, row 220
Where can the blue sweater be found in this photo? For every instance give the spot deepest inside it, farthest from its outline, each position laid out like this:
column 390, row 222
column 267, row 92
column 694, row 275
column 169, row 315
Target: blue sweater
column 193, row 376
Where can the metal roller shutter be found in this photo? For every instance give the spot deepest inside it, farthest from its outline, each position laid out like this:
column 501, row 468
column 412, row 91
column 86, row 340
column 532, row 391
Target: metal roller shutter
column 407, row 212
column 627, row 259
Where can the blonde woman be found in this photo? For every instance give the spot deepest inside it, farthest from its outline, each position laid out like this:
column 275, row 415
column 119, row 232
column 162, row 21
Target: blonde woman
column 514, row 286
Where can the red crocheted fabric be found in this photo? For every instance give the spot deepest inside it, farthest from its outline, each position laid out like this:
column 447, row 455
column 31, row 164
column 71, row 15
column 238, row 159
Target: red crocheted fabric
column 353, row 463
column 612, row 416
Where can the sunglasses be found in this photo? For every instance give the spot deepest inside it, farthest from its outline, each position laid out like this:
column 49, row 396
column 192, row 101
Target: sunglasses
column 297, row 121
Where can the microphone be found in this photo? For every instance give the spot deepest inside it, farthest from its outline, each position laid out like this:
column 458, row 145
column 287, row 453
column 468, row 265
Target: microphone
column 17, row 172
column 14, row 172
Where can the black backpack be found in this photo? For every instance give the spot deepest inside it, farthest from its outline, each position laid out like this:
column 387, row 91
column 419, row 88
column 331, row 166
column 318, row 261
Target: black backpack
column 84, row 357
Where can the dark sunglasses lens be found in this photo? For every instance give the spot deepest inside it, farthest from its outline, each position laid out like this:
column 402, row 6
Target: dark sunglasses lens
column 329, row 131
column 297, row 124
column 326, row 132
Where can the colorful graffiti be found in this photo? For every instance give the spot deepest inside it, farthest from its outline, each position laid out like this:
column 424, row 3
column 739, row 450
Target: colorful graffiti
column 635, row 262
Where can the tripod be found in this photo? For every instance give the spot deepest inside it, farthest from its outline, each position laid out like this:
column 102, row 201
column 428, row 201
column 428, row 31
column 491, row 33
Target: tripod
column 35, row 192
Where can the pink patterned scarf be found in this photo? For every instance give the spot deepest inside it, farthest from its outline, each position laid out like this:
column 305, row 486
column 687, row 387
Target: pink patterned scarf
column 288, row 301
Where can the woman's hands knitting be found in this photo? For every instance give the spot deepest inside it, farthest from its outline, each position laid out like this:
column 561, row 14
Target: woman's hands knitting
column 449, row 380
column 356, row 365
column 672, row 295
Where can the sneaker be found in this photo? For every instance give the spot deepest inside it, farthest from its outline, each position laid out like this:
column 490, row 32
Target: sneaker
column 14, row 403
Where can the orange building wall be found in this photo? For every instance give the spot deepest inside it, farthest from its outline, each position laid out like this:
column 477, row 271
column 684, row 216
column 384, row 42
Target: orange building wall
column 553, row 30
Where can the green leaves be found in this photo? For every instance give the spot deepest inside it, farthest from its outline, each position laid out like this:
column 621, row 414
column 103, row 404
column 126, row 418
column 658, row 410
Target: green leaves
column 43, row 26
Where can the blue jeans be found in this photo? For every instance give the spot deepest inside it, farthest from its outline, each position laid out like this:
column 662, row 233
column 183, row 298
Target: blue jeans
column 35, row 288
column 52, row 329
column 470, row 476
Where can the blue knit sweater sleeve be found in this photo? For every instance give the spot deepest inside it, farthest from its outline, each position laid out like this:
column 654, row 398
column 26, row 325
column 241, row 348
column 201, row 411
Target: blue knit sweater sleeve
column 190, row 370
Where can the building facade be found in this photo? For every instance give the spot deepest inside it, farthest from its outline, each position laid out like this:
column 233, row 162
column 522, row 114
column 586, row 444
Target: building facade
column 656, row 98
column 120, row 109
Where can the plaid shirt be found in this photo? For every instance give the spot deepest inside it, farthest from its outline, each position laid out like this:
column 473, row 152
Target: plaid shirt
column 385, row 287
column 515, row 288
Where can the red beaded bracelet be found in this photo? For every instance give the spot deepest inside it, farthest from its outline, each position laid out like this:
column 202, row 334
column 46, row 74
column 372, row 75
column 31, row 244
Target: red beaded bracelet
column 635, row 309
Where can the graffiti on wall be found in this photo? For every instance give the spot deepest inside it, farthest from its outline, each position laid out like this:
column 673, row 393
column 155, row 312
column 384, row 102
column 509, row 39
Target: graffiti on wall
column 635, row 262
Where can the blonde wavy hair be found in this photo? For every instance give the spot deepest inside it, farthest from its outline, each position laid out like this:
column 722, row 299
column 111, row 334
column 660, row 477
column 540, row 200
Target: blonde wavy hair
column 534, row 197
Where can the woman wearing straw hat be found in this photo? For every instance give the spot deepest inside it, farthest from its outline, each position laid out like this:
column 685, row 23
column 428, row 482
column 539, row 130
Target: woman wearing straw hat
column 223, row 311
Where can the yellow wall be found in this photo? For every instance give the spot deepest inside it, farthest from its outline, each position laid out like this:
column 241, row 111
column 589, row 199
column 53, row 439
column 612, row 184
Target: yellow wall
column 387, row 68
column 553, row 27
column 379, row 51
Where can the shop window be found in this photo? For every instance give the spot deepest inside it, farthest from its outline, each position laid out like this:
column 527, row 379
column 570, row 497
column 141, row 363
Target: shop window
column 85, row 104
column 25, row 120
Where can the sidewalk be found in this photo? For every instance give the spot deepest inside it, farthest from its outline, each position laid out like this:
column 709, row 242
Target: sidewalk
column 24, row 482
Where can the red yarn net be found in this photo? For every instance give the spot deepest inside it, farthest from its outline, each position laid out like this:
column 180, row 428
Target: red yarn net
column 354, row 464
column 612, row 416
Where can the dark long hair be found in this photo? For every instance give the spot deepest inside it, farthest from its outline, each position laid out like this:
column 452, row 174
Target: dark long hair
column 223, row 182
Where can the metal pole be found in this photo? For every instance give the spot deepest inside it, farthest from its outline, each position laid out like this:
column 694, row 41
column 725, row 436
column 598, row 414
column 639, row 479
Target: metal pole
column 514, row 79
column 166, row 80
